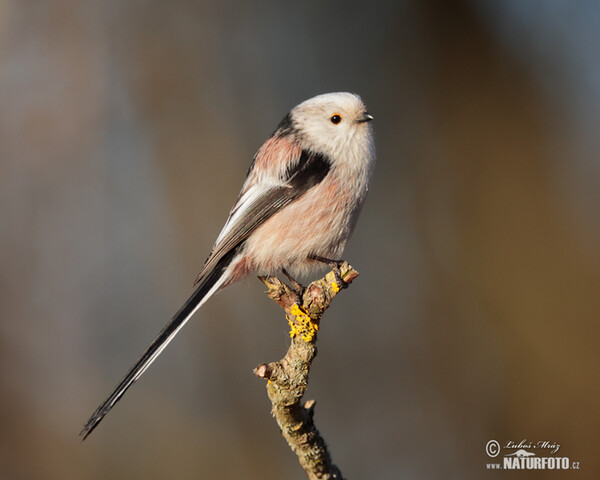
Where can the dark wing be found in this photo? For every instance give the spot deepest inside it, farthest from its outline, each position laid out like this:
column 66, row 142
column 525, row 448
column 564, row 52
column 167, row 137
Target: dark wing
column 261, row 202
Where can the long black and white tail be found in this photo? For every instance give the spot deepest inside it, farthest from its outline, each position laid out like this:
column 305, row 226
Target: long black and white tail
column 207, row 286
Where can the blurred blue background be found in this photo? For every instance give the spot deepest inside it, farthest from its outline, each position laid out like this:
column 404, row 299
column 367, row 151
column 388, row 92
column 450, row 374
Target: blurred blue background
column 126, row 129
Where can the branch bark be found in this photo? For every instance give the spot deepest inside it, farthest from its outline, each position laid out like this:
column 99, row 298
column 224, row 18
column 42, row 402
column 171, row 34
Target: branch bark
column 288, row 378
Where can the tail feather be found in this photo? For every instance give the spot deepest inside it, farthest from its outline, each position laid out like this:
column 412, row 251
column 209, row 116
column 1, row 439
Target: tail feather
column 207, row 286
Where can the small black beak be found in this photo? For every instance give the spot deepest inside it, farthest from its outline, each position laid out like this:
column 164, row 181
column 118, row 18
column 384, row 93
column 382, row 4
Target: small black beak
column 366, row 117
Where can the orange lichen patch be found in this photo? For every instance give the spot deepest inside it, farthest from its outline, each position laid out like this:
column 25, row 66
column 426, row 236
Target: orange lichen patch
column 302, row 325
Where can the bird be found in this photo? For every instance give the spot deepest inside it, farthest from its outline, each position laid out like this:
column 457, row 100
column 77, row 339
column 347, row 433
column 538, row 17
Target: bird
column 296, row 210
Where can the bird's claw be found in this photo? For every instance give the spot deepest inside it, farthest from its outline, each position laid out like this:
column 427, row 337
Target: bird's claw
column 335, row 266
column 296, row 285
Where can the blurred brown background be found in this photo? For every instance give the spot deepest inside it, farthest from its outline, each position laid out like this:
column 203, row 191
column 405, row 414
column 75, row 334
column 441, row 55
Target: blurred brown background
column 126, row 128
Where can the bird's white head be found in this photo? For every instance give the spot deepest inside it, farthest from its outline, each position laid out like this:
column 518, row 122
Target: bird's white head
column 336, row 124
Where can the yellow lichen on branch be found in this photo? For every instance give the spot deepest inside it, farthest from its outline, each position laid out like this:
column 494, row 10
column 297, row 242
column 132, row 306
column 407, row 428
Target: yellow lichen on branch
column 301, row 324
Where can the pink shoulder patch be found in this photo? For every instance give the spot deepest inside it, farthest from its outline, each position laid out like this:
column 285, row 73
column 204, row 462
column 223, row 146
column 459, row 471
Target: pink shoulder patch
column 276, row 154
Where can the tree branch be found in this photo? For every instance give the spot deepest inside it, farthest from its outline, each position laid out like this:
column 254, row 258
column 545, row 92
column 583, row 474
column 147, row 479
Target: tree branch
column 288, row 378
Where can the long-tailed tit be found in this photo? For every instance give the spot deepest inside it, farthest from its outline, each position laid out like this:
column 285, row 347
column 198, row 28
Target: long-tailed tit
column 298, row 206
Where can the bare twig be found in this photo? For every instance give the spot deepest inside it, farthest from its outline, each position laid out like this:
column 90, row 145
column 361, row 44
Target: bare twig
column 288, row 378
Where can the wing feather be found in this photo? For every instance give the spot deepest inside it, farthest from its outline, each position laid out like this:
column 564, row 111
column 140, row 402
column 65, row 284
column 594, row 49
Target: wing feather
column 260, row 202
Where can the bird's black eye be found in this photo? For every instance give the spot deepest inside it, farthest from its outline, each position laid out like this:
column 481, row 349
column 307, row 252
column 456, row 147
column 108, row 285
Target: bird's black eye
column 335, row 119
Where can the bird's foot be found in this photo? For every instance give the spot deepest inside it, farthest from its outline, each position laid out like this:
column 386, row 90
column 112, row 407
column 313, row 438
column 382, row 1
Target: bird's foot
column 335, row 266
column 296, row 285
